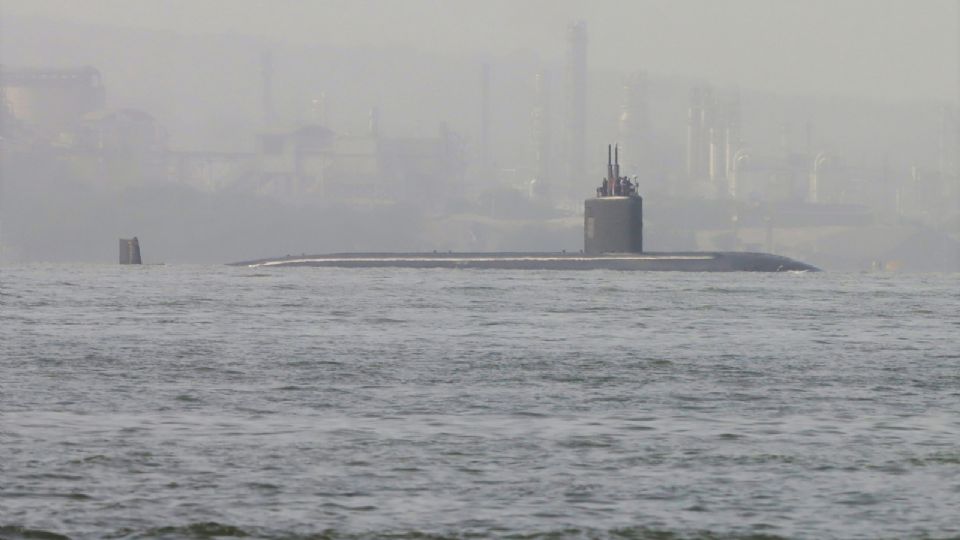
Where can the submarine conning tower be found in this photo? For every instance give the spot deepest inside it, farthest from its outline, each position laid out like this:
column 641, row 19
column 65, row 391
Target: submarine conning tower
column 613, row 220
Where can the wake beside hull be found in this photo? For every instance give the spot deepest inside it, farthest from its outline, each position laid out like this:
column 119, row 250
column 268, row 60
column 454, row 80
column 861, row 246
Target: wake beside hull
column 664, row 262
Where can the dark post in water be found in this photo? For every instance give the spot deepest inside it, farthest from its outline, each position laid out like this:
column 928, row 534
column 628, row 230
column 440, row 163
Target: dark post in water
column 130, row 251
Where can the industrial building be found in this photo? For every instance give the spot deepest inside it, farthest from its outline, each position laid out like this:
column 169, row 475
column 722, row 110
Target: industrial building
column 687, row 144
column 62, row 114
column 48, row 102
column 313, row 161
column 715, row 150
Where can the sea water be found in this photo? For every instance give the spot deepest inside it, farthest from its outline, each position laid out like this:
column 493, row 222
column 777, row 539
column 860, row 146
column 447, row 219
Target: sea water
column 213, row 401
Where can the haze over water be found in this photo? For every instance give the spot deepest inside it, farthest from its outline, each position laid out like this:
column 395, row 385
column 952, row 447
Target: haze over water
column 195, row 401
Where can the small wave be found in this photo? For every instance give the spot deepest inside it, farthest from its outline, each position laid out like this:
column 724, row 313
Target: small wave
column 286, row 287
column 97, row 458
column 472, row 288
column 25, row 494
column 585, row 442
column 262, row 486
column 16, row 532
column 939, row 458
column 213, row 529
column 209, row 529
column 383, row 320
column 360, row 508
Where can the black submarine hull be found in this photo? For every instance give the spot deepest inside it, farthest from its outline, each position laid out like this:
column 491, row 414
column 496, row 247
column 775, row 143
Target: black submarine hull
column 718, row 261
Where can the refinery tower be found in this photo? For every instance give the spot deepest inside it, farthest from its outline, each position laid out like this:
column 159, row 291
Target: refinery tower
column 575, row 113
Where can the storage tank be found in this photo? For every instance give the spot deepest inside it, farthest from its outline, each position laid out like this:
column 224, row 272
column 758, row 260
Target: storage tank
column 51, row 100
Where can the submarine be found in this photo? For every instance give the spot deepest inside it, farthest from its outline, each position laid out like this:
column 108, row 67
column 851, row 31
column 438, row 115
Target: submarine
column 612, row 240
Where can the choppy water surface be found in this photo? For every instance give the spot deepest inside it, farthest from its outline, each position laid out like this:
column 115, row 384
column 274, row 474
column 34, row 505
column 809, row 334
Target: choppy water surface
column 196, row 402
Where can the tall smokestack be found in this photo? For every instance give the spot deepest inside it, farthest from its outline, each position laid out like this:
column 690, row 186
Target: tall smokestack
column 713, row 158
column 707, row 120
column 610, row 177
column 616, row 162
column 266, row 90
column 956, row 178
column 485, row 121
column 576, row 100
column 373, row 127
column 318, row 109
column 943, row 158
column 634, row 122
column 695, row 133
column 540, row 128
column 730, row 138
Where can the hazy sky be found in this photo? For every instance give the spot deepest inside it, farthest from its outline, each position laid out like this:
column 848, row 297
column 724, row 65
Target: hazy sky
column 887, row 49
